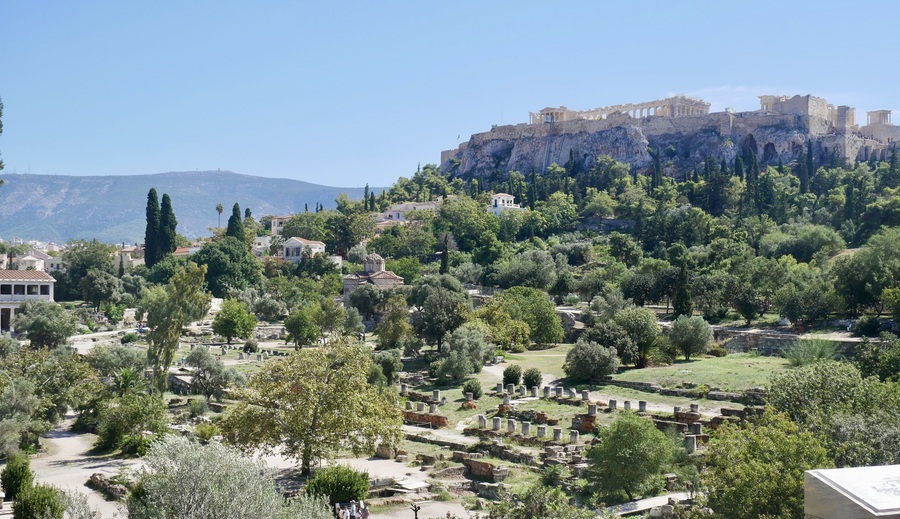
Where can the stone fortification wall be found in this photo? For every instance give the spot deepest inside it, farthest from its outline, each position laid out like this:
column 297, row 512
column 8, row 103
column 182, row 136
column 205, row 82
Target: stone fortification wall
column 778, row 132
column 532, row 147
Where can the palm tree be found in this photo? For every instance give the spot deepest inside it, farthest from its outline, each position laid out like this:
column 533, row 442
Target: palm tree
column 219, row 210
column 128, row 380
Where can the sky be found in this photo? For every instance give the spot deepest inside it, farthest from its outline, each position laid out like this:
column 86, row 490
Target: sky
column 349, row 93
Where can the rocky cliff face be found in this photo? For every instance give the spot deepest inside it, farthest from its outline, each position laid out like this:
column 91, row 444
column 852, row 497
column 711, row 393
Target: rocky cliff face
column 722, row 136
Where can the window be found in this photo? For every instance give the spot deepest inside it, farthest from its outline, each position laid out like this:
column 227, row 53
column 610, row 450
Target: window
column 19, row 290
column 5, row 290
column 45, row 290
column 32, row 290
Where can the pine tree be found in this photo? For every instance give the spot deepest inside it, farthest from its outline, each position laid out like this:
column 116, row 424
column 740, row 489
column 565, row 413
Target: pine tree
column 167, row 224
column 235, row 224
column 151, row 233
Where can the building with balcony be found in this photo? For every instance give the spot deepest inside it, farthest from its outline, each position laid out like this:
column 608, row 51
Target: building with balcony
column 18, row 286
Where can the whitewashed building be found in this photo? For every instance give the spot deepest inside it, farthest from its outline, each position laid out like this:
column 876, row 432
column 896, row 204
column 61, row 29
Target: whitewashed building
column 502, row 202
column 18, row 286
column 292, row 249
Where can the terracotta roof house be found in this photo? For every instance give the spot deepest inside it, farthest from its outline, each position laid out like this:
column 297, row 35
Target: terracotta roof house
column 373, row 273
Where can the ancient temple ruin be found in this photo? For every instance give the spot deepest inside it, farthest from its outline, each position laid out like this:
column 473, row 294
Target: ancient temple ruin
column 779, row 132
column 677, row 106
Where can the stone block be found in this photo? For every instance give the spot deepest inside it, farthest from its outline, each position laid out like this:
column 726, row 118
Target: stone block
column 627, row 405
column 642, row 406
column 469, row 397
column 496, row 423
column 420, row 407
column 511, row 426
column 533, row 392
column 585, row 395
column 573, row 436
column 482, row 421
column 409, row 405
column 526, row 428
column 592, row 409
column 612, row 405
column 557, row 434
column 547, row 390
column 510, row 388
column 541, row 431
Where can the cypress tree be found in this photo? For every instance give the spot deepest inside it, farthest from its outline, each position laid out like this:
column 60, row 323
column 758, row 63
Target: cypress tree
column 366, row 198
column 803, row 175
column 167, row 224
column 739, row 167
column 810, row 162
column 445, row 255
column 371, row 201
column 305, row 208
column 235, row 224
column 247, row 213
column 151, row 233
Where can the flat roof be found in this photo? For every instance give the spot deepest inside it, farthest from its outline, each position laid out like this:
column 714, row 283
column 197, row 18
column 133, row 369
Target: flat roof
column 876, row 489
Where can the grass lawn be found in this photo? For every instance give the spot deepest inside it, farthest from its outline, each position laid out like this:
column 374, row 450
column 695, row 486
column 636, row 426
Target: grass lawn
column 733, row 372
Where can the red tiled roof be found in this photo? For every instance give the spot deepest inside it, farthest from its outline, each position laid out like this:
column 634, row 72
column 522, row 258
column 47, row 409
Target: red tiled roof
column 25, row 275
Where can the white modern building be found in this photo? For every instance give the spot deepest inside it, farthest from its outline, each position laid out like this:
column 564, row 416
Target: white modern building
column 502, row 202
column 18, row 286
column 852, row 493
column 292, row 249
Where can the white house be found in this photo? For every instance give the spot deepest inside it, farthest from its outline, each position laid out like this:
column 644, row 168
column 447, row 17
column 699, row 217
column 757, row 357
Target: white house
column 29, row 262
column 292, row 249
column 501, row 202
column 261, row 246
column 18, row 286
column 278, row 222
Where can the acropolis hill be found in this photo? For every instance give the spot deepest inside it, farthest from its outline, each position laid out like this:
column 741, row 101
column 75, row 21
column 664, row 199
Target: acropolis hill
column 778, row 131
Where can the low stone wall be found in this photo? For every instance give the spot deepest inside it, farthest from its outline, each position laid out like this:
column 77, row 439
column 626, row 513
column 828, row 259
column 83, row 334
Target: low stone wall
column 434, row 420
column 111, row 491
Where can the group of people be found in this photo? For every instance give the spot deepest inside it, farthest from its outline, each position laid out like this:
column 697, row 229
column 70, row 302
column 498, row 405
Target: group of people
column 353, row 510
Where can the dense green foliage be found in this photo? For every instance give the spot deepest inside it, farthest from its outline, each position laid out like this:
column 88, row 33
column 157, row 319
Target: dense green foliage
column 758, row 471
column 16, row 476
column 40, row 501
column 234, row 320
column 590, row 362
column 339, row 484
column 215, row 475
column 630, row 452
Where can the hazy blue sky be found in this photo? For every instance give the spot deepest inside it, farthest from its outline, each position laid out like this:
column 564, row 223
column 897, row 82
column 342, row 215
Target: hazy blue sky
column 345, row 93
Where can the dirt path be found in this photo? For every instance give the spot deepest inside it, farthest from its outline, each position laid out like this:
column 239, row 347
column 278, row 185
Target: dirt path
column 67, row 464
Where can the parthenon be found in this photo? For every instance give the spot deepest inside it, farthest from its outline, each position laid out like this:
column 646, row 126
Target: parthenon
column 677, row 106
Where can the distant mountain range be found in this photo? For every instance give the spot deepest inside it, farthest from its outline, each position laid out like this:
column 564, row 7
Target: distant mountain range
column 112, row 208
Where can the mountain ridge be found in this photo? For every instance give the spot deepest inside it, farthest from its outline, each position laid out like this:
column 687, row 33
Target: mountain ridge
column 111, row 208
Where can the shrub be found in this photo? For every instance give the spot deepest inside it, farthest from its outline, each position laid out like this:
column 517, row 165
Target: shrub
column 130, row 337
column 512, row 375
column 589, row 361
column 473, row 386
column 204, row 432
column 717, row 350
column 809, row 351
column 339, row 484
column 532, row 377
column 40, row 501
column 17, row 475
column 867, row 326
column 554, row 475
column 251, row 346
column 197, row 407
column 137, row 445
